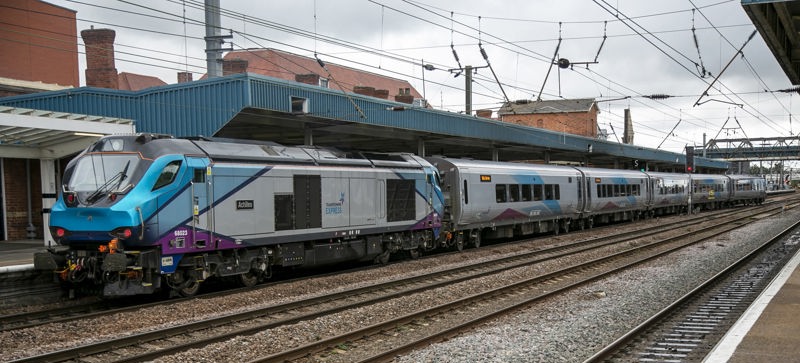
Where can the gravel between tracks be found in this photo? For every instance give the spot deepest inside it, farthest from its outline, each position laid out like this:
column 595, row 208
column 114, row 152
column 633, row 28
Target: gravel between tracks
column 570, row 327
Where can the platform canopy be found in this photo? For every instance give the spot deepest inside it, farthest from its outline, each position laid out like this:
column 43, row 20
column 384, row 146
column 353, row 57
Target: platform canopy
column 37, row 134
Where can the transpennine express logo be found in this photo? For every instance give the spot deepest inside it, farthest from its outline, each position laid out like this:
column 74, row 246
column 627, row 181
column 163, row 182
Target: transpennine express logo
column 335, row 207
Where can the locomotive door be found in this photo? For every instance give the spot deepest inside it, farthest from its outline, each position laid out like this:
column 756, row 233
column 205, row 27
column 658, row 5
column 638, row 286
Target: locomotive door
column 202, row 210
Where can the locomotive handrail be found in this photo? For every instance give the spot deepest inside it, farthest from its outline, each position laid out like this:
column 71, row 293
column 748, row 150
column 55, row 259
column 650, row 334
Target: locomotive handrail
column 141, row 218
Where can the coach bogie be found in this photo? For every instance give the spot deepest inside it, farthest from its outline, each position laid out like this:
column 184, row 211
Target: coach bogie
column 475, row 238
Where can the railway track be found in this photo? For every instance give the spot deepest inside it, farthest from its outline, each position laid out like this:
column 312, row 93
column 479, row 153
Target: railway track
column 150, row 345
column 93, row 307
column 689, row 328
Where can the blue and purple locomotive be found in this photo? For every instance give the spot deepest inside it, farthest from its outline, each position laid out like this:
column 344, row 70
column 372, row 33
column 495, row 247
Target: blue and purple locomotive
column 143, row 213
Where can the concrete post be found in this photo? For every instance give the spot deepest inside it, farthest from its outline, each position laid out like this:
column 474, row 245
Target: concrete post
column 48, row 174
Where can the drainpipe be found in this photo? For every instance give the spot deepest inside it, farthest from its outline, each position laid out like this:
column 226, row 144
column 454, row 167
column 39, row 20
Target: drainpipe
column 31, row 228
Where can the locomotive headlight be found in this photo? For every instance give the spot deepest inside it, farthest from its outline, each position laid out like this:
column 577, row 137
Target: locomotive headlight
column 71, row 199
column 122, row 232
column 59, row 232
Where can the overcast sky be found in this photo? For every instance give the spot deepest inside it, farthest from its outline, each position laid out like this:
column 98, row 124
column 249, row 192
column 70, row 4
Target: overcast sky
column 659, row 56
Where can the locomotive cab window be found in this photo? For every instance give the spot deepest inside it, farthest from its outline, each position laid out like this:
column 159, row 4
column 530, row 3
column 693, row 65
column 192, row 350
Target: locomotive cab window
column 168, row 174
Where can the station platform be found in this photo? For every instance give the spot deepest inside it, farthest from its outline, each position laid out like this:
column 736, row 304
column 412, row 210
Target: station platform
column 18, row 254
column 769, row 331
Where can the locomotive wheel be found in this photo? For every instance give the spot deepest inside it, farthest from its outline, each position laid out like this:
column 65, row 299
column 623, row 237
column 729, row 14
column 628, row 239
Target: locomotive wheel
column 190, row 290
column 249, row 279
column 414, row 253
column 383, row 258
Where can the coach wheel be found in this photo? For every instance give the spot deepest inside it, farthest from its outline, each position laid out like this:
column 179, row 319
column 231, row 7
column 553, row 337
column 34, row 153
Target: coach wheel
column 476, row 238
column 459, row 245
column 249, row 279
column 566, row 224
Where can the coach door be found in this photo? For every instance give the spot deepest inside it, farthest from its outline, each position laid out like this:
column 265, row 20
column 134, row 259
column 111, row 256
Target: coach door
column 202, row 210
column 584, row 192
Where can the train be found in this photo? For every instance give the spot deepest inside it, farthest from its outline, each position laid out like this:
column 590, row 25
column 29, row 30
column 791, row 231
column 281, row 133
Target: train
column 146, row 213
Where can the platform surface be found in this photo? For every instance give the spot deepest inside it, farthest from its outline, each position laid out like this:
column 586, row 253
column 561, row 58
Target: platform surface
column 769, row 331
column 13, row 253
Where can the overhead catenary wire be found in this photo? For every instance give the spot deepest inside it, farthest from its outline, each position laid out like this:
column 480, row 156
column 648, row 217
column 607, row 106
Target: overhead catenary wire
column 701, row 67
column 607, row 7
column 401, row 73
column 746, row 61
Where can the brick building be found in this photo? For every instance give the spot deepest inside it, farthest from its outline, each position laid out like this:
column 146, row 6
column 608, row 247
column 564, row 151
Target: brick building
column 292, row 67
column 578, row 116
column 40, row 53
column 39, row 43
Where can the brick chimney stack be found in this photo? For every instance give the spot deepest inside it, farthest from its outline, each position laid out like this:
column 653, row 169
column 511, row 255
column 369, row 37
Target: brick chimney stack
column 100, row 68
column 309, row 78
column 234, row 66
column 184, row 77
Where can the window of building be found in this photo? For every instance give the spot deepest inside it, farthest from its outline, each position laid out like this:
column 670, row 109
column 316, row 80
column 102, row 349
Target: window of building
column 299, row 105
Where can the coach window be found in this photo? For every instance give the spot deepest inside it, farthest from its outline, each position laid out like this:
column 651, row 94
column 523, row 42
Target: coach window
column 513, row 192
column 168, row 174
column 527, row 193
column 548, row 191
column 537, row 192
column 466, row 193
column 500, row 193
